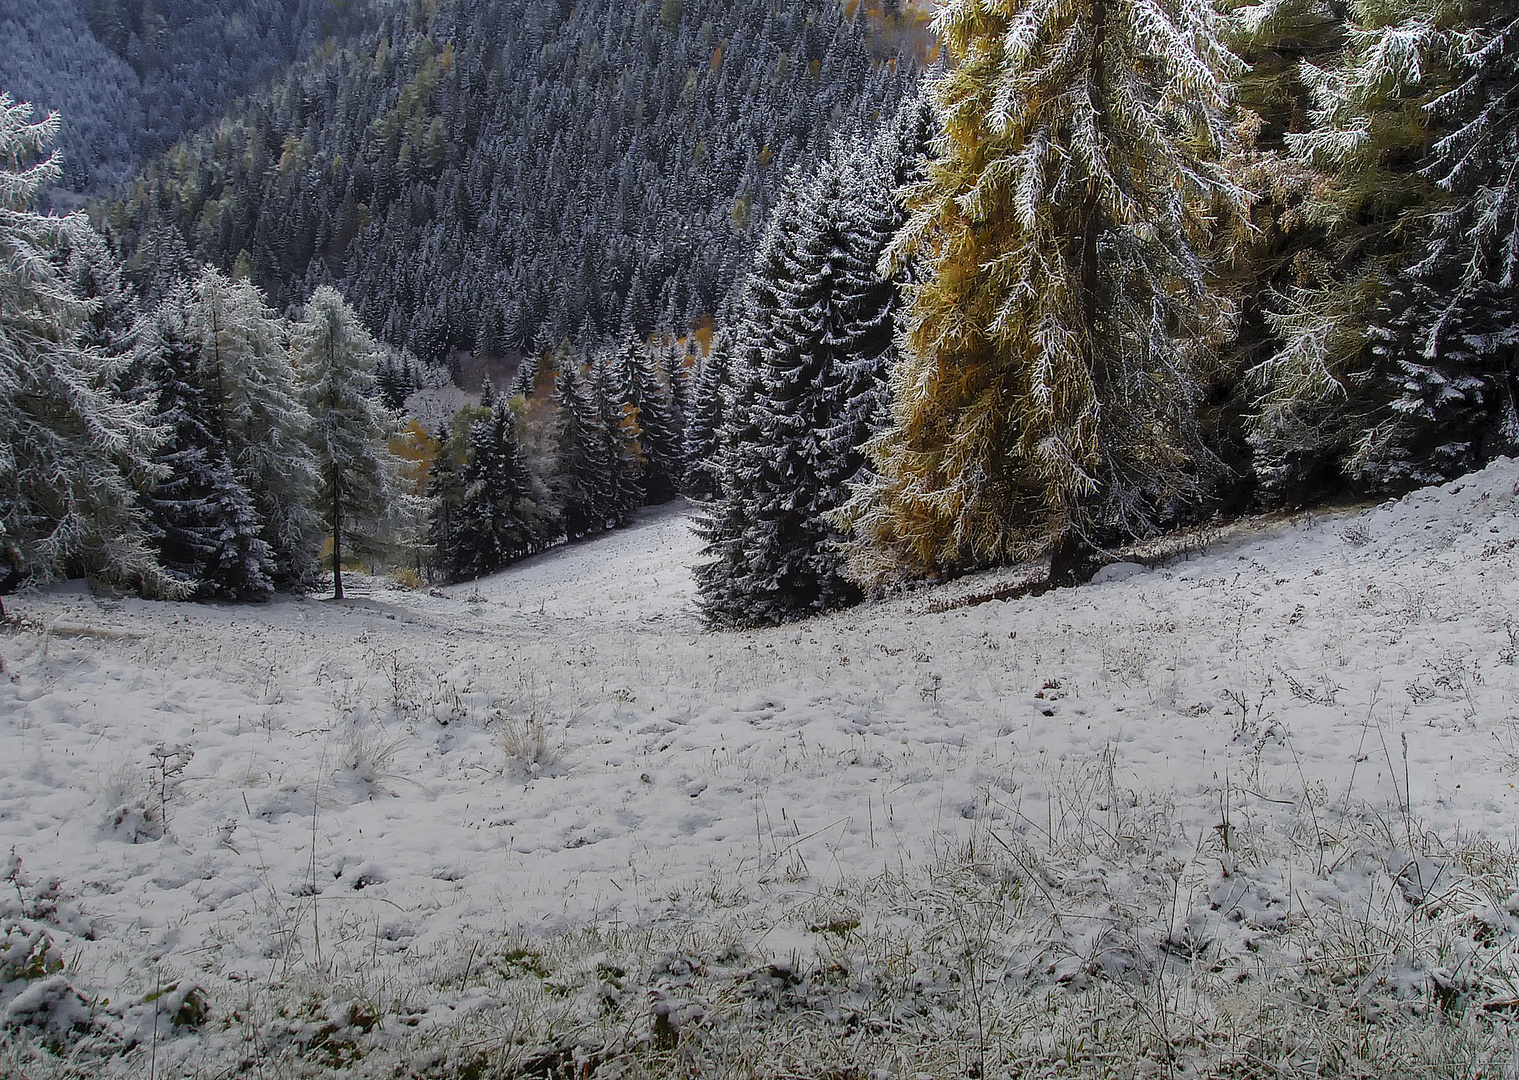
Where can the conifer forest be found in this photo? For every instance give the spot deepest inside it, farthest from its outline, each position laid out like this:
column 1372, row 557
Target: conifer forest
column 876, row 296
column 896, row 292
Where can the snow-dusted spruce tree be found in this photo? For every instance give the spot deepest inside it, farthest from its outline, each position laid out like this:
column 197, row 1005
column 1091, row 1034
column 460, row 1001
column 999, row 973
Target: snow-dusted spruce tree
column 869, row 289
column 648, row 423
column 577, row 480
column 246, row 364
column 1446, row 352
column 817, row 402
column 868, row 214
column 445, row 489
column 504, row 513
column 1369, row 133
column 704, row 418
column 677, row 369
column 723, row 585
column 620, row 492
column 815, row 392
column 525, row 379
column 201, row 516
column 1046, row 401
column 68, row 440
column 95, row 276
column 360, row 492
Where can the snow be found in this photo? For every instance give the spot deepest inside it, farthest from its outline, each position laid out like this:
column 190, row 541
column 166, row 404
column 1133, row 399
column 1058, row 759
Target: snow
column 217, row 798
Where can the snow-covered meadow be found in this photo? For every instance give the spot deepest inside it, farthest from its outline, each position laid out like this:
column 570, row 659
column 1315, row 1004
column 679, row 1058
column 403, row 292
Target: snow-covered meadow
column 1250, row 810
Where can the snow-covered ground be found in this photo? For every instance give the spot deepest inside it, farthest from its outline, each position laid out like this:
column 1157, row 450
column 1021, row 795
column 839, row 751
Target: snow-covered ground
column 340, row 834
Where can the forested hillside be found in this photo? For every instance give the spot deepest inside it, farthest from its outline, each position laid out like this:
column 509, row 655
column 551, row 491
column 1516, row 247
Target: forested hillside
column 1113, row 267
column 129, row 78
column 488, row 177
column 1021, row 289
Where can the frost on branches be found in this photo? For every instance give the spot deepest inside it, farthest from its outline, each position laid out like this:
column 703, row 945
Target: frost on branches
column 359, row 487
column 808, row 390
column 202, row 517
column 1392, row 364
column 69, row 440
column 1054, row 354
column 1445, row 344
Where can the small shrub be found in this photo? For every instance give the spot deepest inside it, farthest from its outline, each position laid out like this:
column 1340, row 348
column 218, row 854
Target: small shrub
column 27, row 954
column 406, row 578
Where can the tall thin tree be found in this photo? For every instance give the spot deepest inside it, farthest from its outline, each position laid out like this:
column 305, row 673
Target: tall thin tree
column 337, row 357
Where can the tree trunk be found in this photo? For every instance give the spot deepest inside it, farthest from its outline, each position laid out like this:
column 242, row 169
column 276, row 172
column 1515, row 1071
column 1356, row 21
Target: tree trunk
column 337, row 535
column 13, row 578
column 1068, row 551
column 1091, row 225
column 1070, row 561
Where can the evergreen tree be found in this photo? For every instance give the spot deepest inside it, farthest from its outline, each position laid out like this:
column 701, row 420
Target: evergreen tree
column 68, row 440
column 704, row 418
column 723, row 583
column 677, row 370
column 867, row 287
column 525, row 379
column 503, row 514
column 337, row 359
column 870, row 287
column 1055, row 354
column 811, row 447
column 259, row 415
column 1476, row 238
column 95, row 276
column 1445, row 354
column 445, row 491
column 202, row 519
column 1442, row 381
column 578, row 478
column 724, row 588
column 1358, row 167
column 648, row 424
column 816, row 393
column 620, row 492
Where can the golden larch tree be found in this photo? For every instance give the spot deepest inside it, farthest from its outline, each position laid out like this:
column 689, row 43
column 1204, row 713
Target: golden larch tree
column 1064, row 326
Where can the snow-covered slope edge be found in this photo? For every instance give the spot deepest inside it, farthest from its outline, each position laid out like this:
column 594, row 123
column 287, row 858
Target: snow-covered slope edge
column 1251, row 808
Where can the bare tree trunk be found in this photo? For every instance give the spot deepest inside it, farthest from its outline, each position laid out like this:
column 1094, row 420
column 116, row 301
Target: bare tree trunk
column 14, row 576
column 337, row 534
column 1070, row 560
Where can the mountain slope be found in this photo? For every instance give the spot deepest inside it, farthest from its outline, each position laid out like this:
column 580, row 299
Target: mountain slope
column 499, row 177
column 130, row 78
column 1263, row 795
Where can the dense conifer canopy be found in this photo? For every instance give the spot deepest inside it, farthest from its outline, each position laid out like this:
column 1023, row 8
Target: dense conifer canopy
column 69, row 443
column 1056, row 347
column 492, row 176
column 724, row 250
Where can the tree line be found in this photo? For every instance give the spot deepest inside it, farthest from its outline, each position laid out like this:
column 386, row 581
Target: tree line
column 495, row 178
column 202, row 445
column 1160, row 260
column 194, row 442
column 1124, row 263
